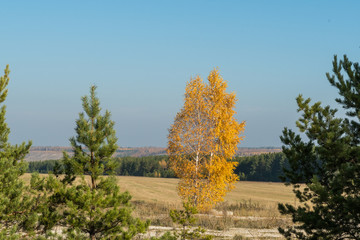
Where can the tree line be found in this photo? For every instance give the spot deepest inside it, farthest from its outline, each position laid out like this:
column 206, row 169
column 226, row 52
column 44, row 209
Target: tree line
column 263, row 167
column 149, row 166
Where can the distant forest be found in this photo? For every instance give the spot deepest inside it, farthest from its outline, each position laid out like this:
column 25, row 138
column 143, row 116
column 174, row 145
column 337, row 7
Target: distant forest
column 263, row 167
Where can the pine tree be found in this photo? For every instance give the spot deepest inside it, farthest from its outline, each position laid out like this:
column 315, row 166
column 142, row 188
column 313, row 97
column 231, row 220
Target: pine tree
column 16, row 205
column 93, row 206
column 327, row 162
column 203, row 137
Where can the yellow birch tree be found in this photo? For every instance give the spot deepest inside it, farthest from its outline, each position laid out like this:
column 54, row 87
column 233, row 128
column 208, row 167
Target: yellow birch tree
column 203, row 137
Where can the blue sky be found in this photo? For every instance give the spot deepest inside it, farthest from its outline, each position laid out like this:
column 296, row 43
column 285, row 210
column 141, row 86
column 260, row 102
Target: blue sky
column 140, row 54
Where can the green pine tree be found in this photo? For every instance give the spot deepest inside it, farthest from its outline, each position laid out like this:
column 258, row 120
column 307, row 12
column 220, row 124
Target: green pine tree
column 17, row 212
column 94, row 206
column 327, row 161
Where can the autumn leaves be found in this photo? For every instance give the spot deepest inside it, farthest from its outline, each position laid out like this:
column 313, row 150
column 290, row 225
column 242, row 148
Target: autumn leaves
column 203, row 137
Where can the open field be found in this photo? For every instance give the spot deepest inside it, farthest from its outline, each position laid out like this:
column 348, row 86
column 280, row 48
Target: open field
column 253, row 207
column 164, row 190
column 249, row 211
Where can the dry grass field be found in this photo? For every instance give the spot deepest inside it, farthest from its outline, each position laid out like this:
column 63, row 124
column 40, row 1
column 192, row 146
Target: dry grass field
column 164, row 190
column 248, row 212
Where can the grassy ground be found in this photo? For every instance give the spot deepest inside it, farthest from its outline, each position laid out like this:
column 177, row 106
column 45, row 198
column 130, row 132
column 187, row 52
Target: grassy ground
column 163, row 190
column 251, row 205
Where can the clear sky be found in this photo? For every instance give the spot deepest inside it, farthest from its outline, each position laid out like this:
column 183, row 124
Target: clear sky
column 140, row 54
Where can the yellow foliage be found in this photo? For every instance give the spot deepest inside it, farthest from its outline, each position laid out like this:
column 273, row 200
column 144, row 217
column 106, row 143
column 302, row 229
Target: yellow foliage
column 203, row 137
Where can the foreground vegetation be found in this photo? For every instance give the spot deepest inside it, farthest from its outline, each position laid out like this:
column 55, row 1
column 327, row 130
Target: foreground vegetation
column 327, row 161
column 251, row 205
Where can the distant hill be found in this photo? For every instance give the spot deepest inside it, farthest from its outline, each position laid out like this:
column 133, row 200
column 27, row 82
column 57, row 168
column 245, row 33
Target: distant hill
column 257, row 151
column 53, row 153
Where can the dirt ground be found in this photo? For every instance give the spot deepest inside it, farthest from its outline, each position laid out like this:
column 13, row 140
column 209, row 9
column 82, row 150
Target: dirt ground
column 250, row 233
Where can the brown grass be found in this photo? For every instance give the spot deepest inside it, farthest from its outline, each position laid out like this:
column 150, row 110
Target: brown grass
column 252, row 204
column 164, row 190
